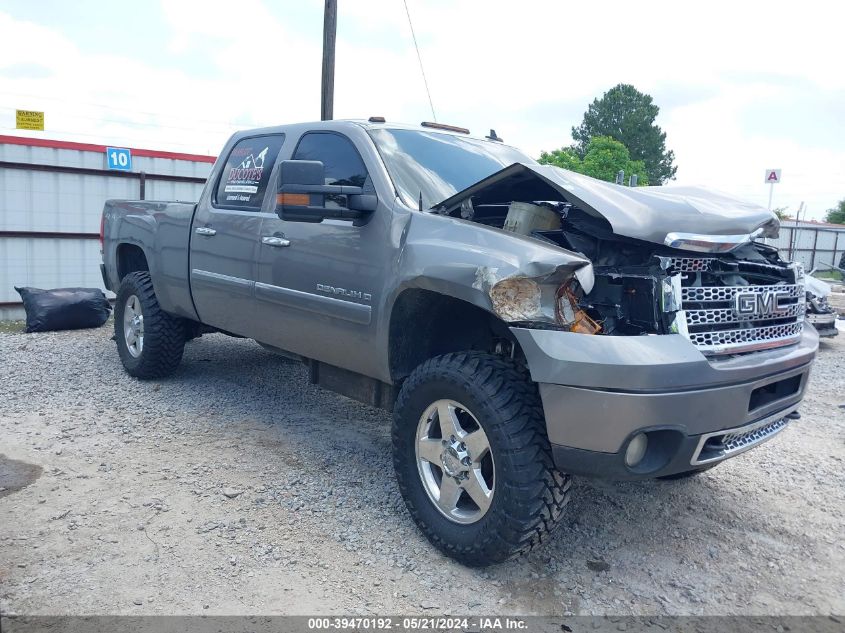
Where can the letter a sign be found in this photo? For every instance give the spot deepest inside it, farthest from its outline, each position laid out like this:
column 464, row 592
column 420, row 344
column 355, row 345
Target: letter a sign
column 772, row 176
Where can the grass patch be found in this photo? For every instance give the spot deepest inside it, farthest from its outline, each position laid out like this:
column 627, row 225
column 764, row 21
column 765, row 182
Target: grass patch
column 832, row 275
column 12, row 327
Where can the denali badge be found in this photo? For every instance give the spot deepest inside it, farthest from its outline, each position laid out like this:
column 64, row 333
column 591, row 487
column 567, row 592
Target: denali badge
column 352, row 294
column 761, row 304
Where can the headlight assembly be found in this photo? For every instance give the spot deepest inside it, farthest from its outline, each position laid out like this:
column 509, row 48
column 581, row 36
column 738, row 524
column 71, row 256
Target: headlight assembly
column 521, row 299
column 518, row 299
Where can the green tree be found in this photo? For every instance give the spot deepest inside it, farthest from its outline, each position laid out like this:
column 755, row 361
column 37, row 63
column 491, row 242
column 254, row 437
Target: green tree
column 836, row 215
column 627, row 115
column 603, row 160
column 565, row 157
column 782, row 213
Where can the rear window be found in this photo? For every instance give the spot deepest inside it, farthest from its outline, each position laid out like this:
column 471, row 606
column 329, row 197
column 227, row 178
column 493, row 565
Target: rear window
column 246, row 173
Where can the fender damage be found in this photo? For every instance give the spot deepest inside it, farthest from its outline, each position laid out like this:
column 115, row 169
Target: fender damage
column 463, row 260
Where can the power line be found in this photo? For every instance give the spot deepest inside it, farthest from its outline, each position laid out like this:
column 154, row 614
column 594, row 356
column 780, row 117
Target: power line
column 419, row 58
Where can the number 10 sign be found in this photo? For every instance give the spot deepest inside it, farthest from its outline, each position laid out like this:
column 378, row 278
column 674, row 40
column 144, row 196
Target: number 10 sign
column 119, row 158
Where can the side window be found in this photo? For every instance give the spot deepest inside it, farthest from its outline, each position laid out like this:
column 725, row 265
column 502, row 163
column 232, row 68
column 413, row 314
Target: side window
column 340, row 158
column 246, row 173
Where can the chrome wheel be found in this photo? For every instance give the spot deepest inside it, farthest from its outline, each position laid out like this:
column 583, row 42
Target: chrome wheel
column 455, row 462
column 133, row 326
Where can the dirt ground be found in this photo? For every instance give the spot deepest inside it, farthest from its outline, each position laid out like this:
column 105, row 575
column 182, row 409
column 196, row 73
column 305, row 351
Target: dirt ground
column 237, row 487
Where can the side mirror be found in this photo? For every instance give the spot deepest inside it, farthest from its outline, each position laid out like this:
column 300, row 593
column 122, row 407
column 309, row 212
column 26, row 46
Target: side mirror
column 301, row 194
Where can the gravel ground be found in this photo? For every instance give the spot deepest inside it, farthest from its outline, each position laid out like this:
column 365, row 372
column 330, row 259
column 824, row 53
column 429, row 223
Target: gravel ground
column 237, row 487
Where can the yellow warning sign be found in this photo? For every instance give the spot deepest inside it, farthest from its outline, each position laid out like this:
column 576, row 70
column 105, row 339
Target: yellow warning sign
column 29, row 120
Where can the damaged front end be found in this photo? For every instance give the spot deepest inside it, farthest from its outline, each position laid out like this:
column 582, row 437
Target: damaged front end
column 736, row 302
column 726, row 293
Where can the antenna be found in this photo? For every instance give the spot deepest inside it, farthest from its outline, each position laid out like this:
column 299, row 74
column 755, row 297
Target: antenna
column 419, row 58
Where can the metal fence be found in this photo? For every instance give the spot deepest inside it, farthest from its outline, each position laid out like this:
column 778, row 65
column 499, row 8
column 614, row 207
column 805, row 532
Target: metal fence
column 813, row 246
column 51, row 198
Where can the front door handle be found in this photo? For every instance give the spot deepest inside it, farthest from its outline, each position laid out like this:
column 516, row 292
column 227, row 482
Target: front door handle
column 274, row 240
column 204, row 230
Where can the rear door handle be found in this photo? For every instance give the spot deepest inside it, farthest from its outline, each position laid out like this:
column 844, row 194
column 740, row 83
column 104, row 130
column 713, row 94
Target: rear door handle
column 204, row 230
column 273, row 240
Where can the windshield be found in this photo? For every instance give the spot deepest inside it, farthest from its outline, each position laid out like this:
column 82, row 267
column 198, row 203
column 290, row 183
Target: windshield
column 437, row 166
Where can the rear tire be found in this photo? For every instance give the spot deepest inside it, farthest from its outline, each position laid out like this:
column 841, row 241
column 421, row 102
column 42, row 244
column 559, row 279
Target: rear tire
column 150, row 342
column 496, row 443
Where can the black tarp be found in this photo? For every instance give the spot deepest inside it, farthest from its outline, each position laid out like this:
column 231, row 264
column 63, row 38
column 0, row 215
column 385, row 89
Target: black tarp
column 64, row 308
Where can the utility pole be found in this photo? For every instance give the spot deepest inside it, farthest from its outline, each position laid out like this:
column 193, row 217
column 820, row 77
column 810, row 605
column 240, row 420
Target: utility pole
column 329, row 33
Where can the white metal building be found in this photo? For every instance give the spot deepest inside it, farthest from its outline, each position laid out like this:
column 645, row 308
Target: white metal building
column 815, row 244
column 51, row 198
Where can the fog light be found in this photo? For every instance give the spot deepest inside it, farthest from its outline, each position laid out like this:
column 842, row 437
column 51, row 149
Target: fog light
column 636, row 450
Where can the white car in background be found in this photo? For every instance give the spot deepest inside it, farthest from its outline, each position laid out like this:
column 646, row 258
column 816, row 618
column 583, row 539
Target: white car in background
column 819, row 312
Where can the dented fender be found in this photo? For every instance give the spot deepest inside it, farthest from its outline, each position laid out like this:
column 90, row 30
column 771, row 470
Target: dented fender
column 466, row 260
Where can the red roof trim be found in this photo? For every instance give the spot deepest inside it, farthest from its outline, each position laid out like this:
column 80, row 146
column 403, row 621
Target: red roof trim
column 90, row 147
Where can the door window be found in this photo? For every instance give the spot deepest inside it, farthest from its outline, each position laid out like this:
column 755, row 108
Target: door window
column 340, row 159
column 246, row 173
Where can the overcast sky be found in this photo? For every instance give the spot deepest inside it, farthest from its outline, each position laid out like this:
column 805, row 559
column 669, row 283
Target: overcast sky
column 742, row 86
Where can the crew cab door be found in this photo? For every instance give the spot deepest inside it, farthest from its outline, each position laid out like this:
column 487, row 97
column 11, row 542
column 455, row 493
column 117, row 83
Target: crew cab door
column 319, row 285
column 225, row 235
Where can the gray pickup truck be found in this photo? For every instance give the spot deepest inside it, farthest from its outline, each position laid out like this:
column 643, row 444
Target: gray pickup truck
column 523, row 323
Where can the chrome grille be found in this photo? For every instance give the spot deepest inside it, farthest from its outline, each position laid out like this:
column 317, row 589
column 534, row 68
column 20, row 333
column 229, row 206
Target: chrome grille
column 719, row 445
column 726, row 315
column 727, row 293
column 714, row 325
column 736, row 441
column 735, row 341
column 689, row 264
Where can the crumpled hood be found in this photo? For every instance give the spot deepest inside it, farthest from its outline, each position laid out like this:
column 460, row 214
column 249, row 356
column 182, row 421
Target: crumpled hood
column 646, row 213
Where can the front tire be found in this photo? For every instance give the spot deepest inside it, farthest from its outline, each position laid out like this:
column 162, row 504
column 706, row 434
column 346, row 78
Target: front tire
column 150, row 342
column 472, row 458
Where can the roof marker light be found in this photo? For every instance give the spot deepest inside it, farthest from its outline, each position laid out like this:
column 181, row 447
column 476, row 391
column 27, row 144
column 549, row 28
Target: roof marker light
column 443, row 126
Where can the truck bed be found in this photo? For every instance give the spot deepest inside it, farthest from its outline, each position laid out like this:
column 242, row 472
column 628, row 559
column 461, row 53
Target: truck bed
column 162, row 232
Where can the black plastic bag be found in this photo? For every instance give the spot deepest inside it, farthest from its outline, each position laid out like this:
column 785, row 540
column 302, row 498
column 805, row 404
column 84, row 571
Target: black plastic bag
column 64, row 308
